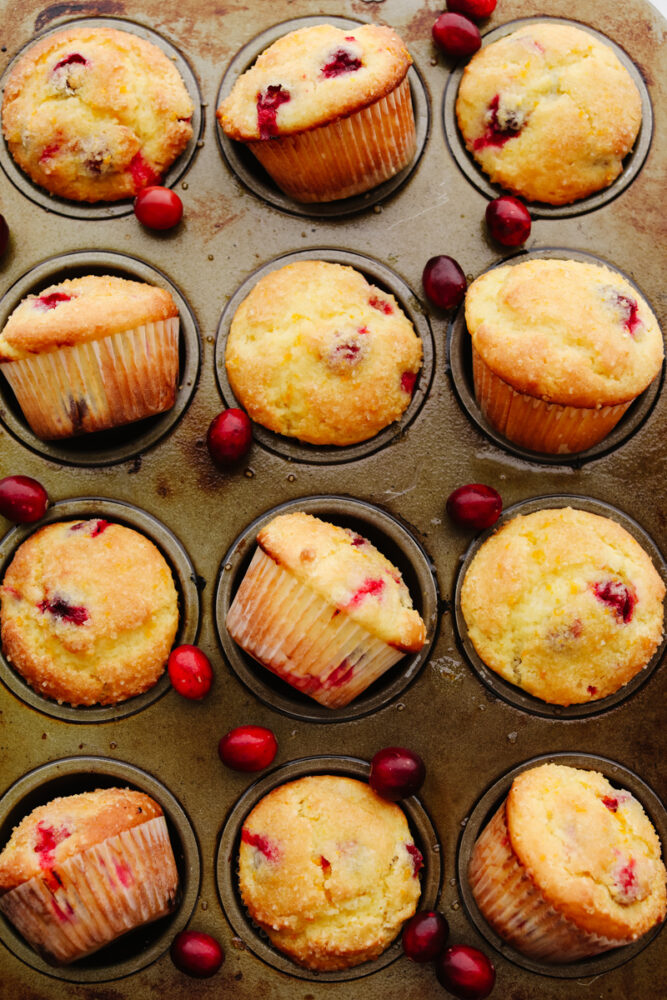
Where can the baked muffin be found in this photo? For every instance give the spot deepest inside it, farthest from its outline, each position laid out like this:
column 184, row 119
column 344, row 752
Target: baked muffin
column 563, row 603
column 329, row 870
column 323, row 609
column 91, row 353
column 95, row 114
column 317, row 353
column 82, row 870
column 327, row 111
column 89, row 612
column 549, row 112
column 569, row 866
column 561, row 348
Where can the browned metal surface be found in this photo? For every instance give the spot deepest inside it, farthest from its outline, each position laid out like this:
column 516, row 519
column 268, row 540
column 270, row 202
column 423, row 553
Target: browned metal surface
column 467, row 737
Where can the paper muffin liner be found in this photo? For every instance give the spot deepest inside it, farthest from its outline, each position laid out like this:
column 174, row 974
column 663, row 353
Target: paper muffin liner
column 535, row 424
column 76, row 907
column 98, row 384
column 344, row 157
column 303, row 638
column 513, row 905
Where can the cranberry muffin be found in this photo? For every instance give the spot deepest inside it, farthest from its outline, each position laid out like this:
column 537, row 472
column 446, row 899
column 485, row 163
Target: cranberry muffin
column 95, row 114
column 327, row 111
column 549, row 112
column 315, row 352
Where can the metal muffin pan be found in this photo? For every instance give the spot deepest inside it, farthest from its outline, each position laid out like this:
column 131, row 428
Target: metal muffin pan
column 467, row 733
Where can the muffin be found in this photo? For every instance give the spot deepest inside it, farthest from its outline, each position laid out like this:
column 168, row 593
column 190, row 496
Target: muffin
column 329, row 870
column 561, row 348
column 315, row 352
column 569, row 866
column 89, row 612
column 564, row 604
column 323, row 609
column 327, row 111
column 95, row 114
column 84, row 869
column 549, row 112
column 91, row 353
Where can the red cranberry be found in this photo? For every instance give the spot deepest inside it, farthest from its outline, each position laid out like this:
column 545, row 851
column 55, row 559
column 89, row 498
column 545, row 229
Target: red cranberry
column 190, row 672
column 248, row 748
column 466, row 972
column 196, row 954
column 229, row 437
column 444, row 282
column 4, row 235
column 22, row 499
column 396, row 773
column 456, row 35
column 474, row 506
column 508, row 220
column 477, row 9
column 158, row 207
column 424, row 936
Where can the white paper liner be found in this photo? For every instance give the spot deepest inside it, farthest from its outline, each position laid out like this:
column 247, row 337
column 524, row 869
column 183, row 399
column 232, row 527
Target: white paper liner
column 345, row 157
column 99, row 384
column 285, row 625
column 92, row 898
column 516, row 909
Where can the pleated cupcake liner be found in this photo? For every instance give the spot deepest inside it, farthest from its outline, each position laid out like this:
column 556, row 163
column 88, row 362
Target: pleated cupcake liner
column 92, row 898
column 98, row 384
column 513, row 905
column 303, row 638
column 537, row 425
column 347, row 156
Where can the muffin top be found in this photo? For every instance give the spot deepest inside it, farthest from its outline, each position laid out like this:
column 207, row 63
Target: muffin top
column 563, row 603
column 89, row 612
column 80, row 310
column 549, row 112
column 590, row 848
column 329, row 870
column 349, row 572
column 52, row 833
column 95, row 114
column 313, row 76
column 315, row 352
column 565, row 331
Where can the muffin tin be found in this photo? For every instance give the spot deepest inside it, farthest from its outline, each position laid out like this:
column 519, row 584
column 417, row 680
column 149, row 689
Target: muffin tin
column 157, row 476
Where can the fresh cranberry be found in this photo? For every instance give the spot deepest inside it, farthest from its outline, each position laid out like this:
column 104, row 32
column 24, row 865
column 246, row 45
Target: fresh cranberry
column 424, row 936
column 22, row 499
column 466, row 972
column 508, row 220
column 248, row 748
column 457, row 36
column 142, row 173
column 196, row 954
column 341, row 62
column 229, row 437
column 478, row 9
column 444, row 282
column 396, row 773
column 4, row 235
column 158, row 207
column 190, row 672
column 474, row 506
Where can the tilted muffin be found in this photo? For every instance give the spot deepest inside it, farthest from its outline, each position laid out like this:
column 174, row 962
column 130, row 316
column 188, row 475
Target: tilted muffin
column 317, row 353
column 329, row 870
column 569, row 866
column 92, row 353
column 95, row 114
column 563, row 603
column 323, row 609
column 84, row 869
column 89, row 612
column 327, row 111
column 549, row 112
column 561, row 348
